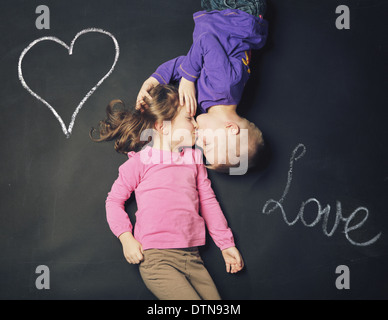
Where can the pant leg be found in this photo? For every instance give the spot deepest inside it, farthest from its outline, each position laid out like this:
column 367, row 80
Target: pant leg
column 200, row 278
column 163, row 273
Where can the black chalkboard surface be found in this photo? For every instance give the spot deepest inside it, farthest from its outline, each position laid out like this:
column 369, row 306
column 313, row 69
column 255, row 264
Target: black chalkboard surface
column 317, row 92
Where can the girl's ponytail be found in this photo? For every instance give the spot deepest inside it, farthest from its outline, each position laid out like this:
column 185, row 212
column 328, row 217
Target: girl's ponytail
column 125, row 126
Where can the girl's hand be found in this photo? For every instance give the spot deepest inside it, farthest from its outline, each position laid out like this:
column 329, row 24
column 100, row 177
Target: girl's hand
column 132, row 249
column 187, row 96
column 233, row 260
column 150, row 83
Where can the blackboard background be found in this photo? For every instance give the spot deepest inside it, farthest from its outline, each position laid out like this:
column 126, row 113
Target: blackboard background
column 311, row 84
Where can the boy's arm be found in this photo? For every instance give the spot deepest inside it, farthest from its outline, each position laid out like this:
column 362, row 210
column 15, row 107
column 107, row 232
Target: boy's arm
column 191, row 64
column 164, row 74
column 168, row 71
column 205, row 52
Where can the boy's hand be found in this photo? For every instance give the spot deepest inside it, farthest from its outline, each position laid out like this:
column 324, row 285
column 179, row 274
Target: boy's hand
column 150, row 83
column 233, row 260
column 132, row 249
column 187, row 96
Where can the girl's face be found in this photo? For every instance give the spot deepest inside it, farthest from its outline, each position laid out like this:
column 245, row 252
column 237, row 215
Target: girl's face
column 183, row 129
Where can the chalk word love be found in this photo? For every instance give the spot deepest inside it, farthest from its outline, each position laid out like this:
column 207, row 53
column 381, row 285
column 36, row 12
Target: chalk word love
column 67, row 130
column 322, row 213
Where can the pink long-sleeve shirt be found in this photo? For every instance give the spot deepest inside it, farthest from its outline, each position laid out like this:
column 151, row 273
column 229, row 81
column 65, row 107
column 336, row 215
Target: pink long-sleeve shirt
column 174, row 199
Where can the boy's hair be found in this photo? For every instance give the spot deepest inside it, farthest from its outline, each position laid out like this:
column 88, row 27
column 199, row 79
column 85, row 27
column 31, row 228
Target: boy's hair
column 125, row 126
column 256, row 146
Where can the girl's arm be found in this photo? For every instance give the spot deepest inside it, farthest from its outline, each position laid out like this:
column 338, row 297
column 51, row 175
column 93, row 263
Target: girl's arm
column 216, row 223
column 117, row 217
column 211, row 211
column 132, row 249
column 121, row 191
column 233, row 260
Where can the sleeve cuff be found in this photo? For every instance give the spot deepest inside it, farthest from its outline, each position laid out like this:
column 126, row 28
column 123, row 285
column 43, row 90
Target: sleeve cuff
column 119, row 232
column 226, row 246
column 188, row 73
column 159, row 77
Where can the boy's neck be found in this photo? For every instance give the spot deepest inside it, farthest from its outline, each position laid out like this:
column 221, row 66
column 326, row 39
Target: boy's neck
column 226, row 112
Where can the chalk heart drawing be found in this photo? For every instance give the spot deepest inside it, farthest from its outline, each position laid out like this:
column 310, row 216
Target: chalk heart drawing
column 67, row 130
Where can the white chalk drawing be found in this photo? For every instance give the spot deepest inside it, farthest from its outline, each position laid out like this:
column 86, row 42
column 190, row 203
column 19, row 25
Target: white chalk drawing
column 272, row 205
column 67, row 130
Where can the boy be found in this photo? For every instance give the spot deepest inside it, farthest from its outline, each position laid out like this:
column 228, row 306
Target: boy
column 214, row 72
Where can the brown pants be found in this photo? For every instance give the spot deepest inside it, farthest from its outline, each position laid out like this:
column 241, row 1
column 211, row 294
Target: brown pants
column 177, row 274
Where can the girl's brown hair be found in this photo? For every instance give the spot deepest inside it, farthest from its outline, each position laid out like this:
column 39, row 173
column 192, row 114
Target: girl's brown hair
column 125, row 126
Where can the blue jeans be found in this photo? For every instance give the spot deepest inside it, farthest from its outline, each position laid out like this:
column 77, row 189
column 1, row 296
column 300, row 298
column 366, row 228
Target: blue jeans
column 253, row 7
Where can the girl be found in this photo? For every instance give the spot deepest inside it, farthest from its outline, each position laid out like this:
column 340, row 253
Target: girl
column 171, row 186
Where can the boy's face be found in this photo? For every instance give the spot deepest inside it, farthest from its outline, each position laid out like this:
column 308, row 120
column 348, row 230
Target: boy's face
column 212, row 138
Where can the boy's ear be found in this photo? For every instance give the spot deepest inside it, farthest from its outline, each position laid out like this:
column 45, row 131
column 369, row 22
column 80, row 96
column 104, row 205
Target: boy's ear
column 232, row 127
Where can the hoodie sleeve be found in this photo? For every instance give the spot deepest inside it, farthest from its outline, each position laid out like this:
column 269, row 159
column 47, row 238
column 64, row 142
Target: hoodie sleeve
column 206, row 48
column 122, row 188
column 168, row 71
column 191, row 65
column 208, row 52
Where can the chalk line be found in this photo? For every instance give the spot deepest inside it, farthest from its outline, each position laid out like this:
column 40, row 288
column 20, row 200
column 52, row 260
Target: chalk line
column 67, row 131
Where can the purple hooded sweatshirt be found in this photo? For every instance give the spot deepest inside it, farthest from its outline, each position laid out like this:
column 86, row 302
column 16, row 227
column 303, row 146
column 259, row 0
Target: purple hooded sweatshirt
column 218, row 60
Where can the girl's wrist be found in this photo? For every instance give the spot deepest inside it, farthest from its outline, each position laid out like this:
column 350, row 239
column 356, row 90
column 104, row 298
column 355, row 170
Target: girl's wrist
column 125, row 236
